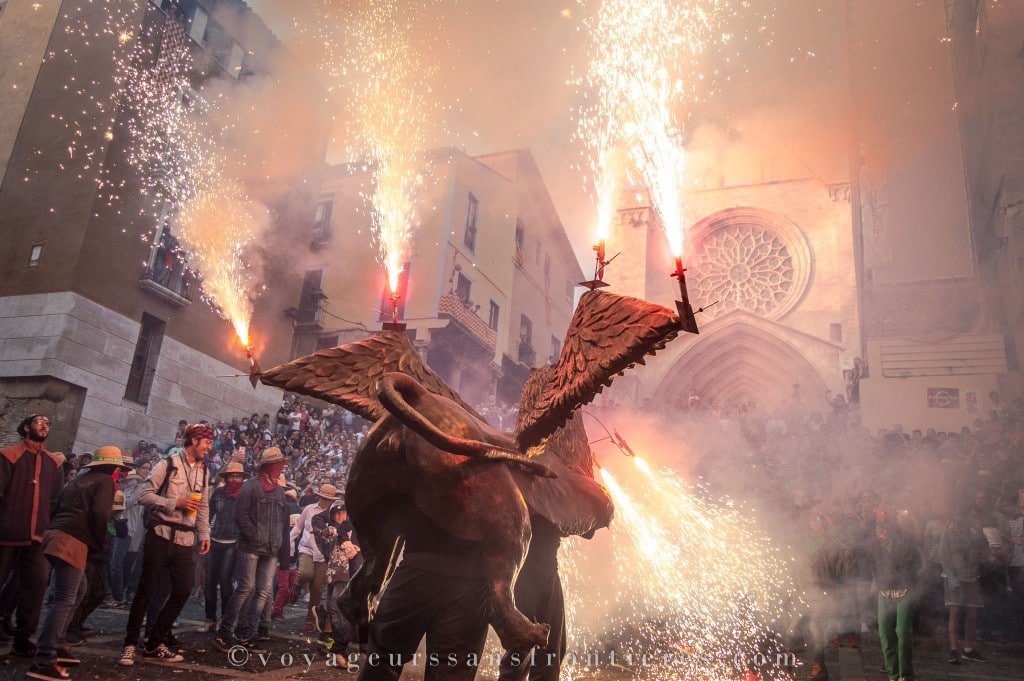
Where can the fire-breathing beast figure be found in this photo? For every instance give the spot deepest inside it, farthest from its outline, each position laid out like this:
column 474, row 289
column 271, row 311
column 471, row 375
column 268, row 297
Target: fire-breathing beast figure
column 429, row 448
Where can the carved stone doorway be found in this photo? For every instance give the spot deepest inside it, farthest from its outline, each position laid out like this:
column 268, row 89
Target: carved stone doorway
column 738, row 364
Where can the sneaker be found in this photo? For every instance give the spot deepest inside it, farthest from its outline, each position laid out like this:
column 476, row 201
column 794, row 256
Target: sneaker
column 174, row 644
column 127, row 658
column 954, row 657
column 222, row 644
column 209, row 627
column 253, row 647
column 161, row 654
column 67, row 657
column 23, row 648
column 264, row 635
column 864, row 631
column 974, row 656
column 277, row 617
column 47, row 672
column 110, row 604
column 74, row 638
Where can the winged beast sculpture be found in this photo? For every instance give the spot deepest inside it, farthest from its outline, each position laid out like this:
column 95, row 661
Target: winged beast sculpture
column 430, row 451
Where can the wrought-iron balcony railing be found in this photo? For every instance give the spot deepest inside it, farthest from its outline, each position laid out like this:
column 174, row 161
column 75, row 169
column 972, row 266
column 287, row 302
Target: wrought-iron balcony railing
column 170, row 284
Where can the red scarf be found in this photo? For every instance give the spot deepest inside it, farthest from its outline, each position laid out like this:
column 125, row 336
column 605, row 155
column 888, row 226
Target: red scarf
column 232, row 488
column 269, row 473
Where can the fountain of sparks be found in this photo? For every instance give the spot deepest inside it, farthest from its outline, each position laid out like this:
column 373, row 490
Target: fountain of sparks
column 696, row 589
column 225, row 223
column 643, row 74
column 175, row 142
column 375, row 60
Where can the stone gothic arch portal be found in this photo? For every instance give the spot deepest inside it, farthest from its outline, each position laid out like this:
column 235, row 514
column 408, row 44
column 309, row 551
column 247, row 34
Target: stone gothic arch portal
column 736, row 363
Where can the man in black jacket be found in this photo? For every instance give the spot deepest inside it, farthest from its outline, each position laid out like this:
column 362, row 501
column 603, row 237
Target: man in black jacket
column 30, row 482
column 260, row 512
column 78, row 529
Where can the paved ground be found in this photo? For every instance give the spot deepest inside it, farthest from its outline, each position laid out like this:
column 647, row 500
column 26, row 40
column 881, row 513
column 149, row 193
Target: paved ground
column 296, row 656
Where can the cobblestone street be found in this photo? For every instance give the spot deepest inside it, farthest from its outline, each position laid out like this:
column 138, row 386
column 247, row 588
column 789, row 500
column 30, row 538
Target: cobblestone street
column 296, row 656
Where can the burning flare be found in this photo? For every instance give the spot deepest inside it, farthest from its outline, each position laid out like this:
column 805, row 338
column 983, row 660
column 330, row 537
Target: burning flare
column 219, row 225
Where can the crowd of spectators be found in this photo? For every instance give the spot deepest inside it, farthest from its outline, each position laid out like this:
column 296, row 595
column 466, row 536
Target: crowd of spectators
column 819, row 477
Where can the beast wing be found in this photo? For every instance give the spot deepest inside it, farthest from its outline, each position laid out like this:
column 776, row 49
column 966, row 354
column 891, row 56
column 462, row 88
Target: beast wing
column 608, row 334
column 350, row 374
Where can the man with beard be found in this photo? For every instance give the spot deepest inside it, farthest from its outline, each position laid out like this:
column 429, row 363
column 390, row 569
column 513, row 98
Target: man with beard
column 31, row 479
column 177, row 497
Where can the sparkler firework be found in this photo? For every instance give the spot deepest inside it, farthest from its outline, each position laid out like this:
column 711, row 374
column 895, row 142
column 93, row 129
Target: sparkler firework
column 696, row 589
column 373, row 61
column 177, row 137
column 643, row 75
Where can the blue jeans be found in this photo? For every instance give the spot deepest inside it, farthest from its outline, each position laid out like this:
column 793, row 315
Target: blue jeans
column 254, row 581
column 115, row 568
column 220, row 568
column 69, row 586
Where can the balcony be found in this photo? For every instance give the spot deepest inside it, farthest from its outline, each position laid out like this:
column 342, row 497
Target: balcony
column 321, row 236
column 452, row 307
column 169, row 284
column 527, row 355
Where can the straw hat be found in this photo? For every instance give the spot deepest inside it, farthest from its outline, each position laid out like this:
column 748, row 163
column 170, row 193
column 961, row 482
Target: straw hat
column 118, row 501
column 291, row 493
column 328, row 491
column 270, row 455
column 232, row 468
column 107, row 456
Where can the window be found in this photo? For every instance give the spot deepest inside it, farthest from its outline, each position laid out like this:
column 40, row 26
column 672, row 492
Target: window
column 322, row 223
column 520, row 241
column 34, row 255
column 492, row 316
column 198, row 29
column 527, row 355
column 471, row 216
column 569, row 288
column 462, row 288
column 147, row 352
column 525, row 330
column 310, row 311
column 547, row 272
column 234, row 64
column 556, row 350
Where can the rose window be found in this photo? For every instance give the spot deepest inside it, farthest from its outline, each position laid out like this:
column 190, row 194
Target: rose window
column 744, row 267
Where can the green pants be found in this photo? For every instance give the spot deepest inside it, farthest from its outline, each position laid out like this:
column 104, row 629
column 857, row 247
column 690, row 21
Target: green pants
column 896, row 631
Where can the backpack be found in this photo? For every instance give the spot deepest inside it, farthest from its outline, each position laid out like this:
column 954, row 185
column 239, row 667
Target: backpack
column 150, row 519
